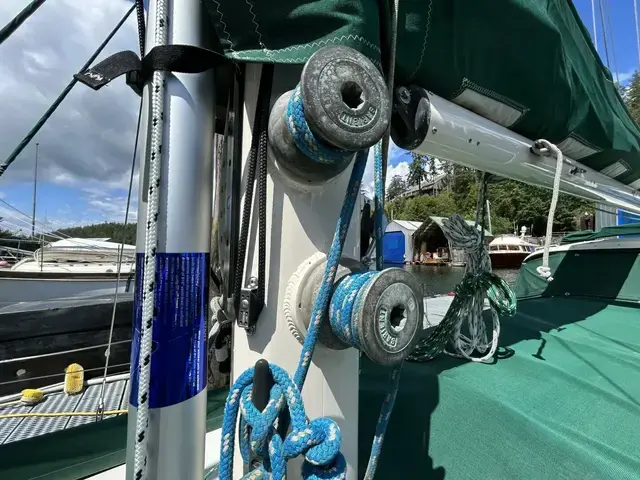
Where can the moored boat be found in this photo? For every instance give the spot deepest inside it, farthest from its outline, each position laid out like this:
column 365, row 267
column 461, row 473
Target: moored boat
column 67, row 267
column 509, row 251
column 544, row 381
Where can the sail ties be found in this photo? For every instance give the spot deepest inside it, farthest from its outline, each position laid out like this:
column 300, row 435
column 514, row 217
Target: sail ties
column 545, row 147
column 467, row 308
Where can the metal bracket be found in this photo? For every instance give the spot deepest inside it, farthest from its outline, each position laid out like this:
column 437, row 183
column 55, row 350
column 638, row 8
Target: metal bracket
column 410, row 117
column 249, row 306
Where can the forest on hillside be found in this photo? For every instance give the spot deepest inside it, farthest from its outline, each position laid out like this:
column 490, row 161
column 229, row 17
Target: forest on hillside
column 512, row 204
column 115, row 231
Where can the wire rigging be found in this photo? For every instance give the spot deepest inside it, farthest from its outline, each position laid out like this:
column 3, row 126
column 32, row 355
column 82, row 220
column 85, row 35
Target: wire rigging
column 19, row 19
column 613, row 47
column 40, row 123
column 635, row 18
column 103, row 385
column 604, row 33
column 593, row 21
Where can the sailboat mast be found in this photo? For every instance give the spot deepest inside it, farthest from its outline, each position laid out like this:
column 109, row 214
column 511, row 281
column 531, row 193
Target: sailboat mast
column 175, row 410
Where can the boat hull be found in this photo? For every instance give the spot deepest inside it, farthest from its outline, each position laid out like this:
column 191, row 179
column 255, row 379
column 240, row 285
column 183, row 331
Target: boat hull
column 508, row 259
column 34, row 287
column 39, row 339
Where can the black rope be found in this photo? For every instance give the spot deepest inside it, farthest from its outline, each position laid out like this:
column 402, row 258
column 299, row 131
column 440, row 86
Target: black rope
column 262, row 194
column 142, row 31
column 19, row 19
column 40, row 123
column 257, row 154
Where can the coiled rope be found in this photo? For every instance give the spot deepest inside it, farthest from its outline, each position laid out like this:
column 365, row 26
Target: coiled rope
column 345, row 301
column 318, row 440
column 304, row 138
column 468, row 302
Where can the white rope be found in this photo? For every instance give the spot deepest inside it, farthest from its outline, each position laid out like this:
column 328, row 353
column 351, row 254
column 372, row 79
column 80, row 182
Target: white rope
column 548, row 147
column 154, row 158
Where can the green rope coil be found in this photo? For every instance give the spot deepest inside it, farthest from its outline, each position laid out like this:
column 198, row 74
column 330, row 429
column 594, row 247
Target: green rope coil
column 501, row 298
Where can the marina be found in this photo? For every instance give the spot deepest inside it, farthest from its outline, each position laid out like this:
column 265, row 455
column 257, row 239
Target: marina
column 290, row 307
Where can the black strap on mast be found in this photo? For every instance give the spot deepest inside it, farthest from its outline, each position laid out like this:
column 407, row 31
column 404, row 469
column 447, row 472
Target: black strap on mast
column 40, row 123
column 19, row 19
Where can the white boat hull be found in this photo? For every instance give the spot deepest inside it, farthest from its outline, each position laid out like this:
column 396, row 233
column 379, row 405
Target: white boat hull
column 33, row 289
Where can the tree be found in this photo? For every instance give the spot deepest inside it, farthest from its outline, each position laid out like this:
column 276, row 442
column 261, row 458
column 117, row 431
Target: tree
column 116, row 231
column 513, row 205
column 526, row 205
column 632, row 97
column 431, row 168
column 417, row 172
column 397, row 186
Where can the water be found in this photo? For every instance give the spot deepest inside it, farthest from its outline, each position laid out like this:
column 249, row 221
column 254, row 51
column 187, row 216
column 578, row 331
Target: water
column 440, row 280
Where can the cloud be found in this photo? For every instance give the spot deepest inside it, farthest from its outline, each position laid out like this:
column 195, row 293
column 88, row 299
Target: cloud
column 88, row 141
column 624, row 78
column 400, row 168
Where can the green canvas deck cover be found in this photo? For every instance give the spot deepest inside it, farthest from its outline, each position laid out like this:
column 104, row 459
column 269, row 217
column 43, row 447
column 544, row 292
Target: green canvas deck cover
column 612, row 274
column 532, row 58
column 561, row 400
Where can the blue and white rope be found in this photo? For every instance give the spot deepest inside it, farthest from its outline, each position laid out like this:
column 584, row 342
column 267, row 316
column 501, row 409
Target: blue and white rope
column 345, row 301
column 378, row 202
column 305, row 140
column 319, row 439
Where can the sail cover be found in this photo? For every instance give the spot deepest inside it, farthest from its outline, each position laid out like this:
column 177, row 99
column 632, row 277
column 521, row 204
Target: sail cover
column 528, row 65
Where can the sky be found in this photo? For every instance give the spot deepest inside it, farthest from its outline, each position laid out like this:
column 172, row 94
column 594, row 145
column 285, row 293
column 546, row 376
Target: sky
column 85, row 149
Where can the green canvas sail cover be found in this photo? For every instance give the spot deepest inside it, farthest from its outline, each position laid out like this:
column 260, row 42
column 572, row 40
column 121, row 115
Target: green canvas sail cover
column 606, row 232
column 528, row 65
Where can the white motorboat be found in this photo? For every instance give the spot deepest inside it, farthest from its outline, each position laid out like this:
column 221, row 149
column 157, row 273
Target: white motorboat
column 66, row 268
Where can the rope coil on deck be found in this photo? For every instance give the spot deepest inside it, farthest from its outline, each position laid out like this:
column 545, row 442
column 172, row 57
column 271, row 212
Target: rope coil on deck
column 468, row 302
